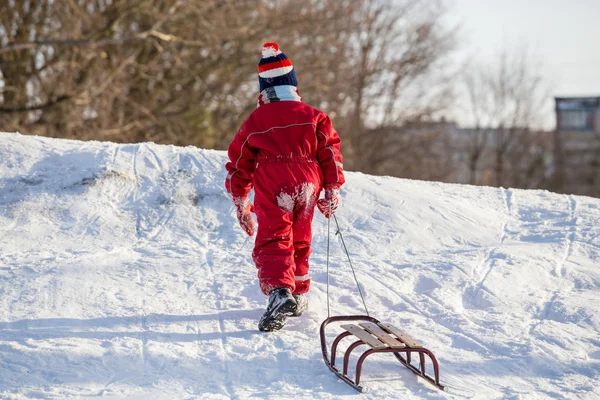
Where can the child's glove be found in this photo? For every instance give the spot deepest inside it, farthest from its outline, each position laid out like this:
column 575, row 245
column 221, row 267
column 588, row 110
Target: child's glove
column 331, row 202
column 244, row 214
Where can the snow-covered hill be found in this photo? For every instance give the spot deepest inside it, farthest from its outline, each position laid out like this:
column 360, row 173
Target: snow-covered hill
column 123, row 274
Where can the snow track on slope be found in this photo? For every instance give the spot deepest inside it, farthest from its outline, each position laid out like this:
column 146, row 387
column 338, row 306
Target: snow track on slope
column 123, row 274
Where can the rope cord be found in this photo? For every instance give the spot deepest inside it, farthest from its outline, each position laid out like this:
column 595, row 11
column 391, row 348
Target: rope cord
column 328, row 230
column 339, row 232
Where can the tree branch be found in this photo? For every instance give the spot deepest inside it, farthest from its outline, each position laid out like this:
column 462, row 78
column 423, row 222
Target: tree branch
column 152, row 33
column 48, row 104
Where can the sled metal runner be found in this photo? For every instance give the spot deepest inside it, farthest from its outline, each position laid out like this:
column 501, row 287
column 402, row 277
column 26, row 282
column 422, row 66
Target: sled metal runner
column 381, row 338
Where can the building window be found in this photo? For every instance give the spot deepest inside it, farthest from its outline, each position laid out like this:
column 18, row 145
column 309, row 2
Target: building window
column 577, row 113
column 576, row 120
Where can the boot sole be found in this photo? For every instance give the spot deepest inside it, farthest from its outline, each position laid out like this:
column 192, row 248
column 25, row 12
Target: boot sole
column 277, row 319
column 298, row 313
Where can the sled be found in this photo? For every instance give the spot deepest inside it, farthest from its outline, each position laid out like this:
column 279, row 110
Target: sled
column 380, row 338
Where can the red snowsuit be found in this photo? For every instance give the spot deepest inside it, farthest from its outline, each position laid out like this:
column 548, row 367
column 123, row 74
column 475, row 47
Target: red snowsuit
column 288, row 151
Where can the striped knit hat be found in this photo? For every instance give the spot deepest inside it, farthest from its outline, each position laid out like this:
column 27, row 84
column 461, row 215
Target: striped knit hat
column 275, row 68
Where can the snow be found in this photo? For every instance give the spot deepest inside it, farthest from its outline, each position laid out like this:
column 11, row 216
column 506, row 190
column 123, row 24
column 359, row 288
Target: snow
column 302, row 196
column 124, row 274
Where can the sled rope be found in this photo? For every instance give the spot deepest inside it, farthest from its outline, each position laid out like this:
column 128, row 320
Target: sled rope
column 339, row 232
column 327, row 263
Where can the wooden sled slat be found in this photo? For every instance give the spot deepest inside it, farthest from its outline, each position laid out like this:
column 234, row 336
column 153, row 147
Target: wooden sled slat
column 364, row 336
column 410, row 342
column 382, row 335
column 381, row 338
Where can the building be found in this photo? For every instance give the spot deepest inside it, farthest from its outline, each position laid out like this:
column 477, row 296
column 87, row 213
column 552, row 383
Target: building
column 516, row 157
column 577, row 146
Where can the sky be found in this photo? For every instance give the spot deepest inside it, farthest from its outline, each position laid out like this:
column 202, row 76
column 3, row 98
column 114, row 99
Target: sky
column 563, row 36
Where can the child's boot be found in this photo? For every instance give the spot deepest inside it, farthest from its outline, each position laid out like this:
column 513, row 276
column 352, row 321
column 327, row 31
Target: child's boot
column 281, row 305
column 302, row 304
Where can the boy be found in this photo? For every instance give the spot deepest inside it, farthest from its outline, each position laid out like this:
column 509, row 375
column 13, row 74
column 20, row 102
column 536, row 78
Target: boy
column 288, row 152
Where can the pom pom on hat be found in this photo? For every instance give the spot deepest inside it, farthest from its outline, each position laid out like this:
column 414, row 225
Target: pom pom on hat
column 270, row 49
column 275, row 68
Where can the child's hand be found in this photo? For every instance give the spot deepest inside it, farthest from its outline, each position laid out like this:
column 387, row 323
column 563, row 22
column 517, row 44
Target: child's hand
column 244, row 214
column 330, row 203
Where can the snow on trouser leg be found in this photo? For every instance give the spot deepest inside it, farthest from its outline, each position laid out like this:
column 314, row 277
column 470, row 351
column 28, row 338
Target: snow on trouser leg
column 273, row 250
column 302, row 234
column 285, row 214
column 274, row 272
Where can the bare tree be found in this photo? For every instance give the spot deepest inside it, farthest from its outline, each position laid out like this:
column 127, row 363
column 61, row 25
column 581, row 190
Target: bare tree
column 162, row 70
column 478, row 139
column 416, row 150
column 398, row 55
column 181, row 72
column 506, row 100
